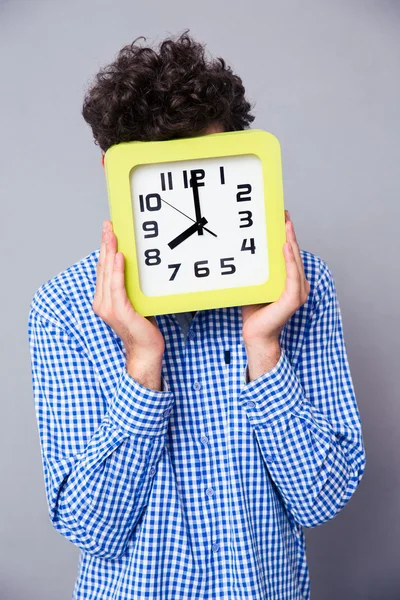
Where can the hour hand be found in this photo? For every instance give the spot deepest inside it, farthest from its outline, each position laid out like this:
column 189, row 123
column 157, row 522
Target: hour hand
column 187, row 233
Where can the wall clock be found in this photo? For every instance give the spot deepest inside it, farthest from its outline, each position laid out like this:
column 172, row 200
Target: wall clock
column 200, row 220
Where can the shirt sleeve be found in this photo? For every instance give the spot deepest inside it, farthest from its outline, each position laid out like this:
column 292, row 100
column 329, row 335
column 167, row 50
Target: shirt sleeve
column 99, row 450
column 307, row 422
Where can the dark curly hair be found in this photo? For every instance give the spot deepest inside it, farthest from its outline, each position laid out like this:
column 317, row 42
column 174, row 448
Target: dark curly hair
column 158, row 95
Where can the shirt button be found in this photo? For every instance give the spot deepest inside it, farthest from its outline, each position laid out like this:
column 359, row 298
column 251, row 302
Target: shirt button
column 209, row 491
column 167, row 412
column 191, row 335
column 204, row 439
column 250, row 404
column 152, row 471
column 215, row 547
column 196, row 385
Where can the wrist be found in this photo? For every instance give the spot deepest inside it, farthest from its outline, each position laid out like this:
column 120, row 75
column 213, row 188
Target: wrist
column 135, row 355
column 146, row 370
column 263, row 344
column 261, row 358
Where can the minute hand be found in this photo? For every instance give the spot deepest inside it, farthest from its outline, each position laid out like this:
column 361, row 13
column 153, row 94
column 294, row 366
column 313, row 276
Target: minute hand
column 196, row 199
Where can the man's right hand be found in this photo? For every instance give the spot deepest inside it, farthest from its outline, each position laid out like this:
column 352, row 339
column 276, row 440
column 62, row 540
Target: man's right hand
column 143, row 341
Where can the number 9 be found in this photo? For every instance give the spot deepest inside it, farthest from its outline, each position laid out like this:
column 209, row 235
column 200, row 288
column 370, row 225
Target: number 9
column 151, row 226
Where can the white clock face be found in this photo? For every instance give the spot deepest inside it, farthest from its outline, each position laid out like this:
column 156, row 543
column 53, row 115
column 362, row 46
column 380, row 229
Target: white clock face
column 228, row 249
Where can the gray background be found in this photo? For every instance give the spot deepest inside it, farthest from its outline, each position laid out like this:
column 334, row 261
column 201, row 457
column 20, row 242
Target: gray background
column 325, row 79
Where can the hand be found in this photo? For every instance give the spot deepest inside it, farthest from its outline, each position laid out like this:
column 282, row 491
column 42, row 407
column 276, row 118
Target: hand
column 187, row 233
column 262, row 323
column 140, row 335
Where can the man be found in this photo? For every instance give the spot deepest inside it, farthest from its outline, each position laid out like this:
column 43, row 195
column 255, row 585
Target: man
column 185, row 453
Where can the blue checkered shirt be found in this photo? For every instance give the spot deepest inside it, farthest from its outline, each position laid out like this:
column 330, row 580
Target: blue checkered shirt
column 201, row 490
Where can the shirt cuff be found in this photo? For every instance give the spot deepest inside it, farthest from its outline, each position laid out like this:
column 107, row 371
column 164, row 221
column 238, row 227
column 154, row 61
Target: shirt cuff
column 139, row 409
column 272, row 394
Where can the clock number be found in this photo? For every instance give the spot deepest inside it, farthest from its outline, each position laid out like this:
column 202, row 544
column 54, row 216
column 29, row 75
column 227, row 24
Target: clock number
column 243, row 195
column 149, row 198
column 155, row 256
column 232, row 267
column 248, row 218
column 252, row 246
column 169, row 175
column 201, row 271
column 196, row 177
column 176, row 266
column 150, row 226
column 222, row 175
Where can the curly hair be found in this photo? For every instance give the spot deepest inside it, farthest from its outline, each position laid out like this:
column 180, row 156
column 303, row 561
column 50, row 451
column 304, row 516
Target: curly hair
column 167, row 93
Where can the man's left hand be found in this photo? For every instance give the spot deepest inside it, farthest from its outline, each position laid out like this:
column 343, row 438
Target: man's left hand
column 263, row 323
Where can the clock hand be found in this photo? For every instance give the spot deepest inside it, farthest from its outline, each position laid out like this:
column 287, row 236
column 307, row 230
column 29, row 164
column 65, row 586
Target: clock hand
column 182, row 213
column 187, row 233
column 196, row 199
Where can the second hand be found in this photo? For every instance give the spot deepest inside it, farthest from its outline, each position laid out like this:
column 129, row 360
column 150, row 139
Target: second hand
column 182, row 213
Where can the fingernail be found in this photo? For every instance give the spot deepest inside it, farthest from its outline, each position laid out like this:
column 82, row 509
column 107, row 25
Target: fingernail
column 288, row 214
column 105, row 225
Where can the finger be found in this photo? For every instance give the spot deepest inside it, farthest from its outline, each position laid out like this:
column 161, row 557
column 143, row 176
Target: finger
column 119, row 297
column 111, row 248
column 291, row 237
column 297, row 253
column 293, row 281
column 99, row 269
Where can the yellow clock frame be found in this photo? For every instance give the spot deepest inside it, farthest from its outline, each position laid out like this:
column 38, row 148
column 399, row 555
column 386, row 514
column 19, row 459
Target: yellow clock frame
column 120, row 159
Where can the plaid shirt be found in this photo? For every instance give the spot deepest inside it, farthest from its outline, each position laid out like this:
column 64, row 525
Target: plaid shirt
column 201, row 490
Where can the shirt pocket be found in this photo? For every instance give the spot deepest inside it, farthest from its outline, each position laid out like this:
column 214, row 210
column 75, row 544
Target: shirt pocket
column 233, row 362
